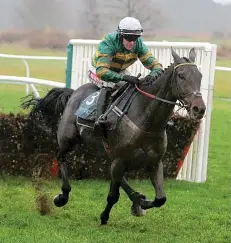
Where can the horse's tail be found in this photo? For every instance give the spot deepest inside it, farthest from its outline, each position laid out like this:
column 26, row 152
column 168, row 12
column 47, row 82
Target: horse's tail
column 49, row 108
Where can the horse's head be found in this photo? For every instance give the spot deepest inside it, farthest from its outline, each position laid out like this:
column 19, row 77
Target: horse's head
column 186, row 84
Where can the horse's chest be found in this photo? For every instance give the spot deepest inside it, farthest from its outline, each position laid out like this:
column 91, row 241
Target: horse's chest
column 154, row 147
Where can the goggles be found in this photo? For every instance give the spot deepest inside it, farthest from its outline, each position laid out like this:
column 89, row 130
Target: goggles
column 131, row 37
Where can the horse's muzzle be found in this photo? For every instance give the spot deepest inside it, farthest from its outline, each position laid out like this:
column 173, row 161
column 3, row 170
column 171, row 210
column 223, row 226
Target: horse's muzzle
column 197, row 109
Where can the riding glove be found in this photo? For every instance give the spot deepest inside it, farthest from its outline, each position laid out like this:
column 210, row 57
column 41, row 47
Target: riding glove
column 156, row 72
column 131, row 79
column 154, row 75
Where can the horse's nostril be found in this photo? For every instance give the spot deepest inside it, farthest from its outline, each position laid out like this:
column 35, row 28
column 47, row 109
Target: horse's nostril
column 198, row 111
column 195, row 109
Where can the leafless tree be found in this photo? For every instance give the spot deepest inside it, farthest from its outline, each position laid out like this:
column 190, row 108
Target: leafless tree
column 100, row 16
column 89, row 18
column 148, row 13
column 36, row 14
column 92, row 18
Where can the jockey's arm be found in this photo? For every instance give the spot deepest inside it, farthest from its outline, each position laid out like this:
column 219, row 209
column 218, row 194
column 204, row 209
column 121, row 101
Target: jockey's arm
column 102, row 62
column 149, row 61
column 103, row 70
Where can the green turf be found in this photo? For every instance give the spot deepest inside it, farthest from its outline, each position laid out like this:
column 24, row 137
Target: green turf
column 194, row 212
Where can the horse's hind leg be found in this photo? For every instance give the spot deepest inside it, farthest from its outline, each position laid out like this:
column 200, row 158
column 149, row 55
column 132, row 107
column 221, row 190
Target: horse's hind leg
column 117, row 172
column 67, row 138
column 112, row 199
column 61, row 199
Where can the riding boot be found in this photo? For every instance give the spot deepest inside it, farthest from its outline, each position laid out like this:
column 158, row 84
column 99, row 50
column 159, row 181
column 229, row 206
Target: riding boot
column 101, row 123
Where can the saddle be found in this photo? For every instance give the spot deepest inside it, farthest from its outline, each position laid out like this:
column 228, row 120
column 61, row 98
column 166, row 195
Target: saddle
column 86, row 112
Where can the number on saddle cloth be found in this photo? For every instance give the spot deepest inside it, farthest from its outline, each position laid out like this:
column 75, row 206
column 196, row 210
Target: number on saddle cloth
column 87, row 110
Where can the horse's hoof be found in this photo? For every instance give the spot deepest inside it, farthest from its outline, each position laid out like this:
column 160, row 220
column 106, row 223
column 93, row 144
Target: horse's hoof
column 137, row 211
column 103, row 222
column 159, row 202
column 146, row 204
column 103, row 218
column 60, row 200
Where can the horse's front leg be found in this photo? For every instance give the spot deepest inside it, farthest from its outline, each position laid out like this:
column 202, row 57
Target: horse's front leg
column 157, row 178
column 117, row 172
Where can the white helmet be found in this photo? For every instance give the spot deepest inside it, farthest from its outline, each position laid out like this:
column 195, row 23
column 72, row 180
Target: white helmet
column 130, row 26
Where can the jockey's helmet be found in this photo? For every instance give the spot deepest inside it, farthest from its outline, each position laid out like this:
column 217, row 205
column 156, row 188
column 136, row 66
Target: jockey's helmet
column 130, row 27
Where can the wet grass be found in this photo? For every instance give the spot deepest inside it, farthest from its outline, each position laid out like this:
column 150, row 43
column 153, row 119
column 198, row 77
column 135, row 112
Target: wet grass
column 194, row 212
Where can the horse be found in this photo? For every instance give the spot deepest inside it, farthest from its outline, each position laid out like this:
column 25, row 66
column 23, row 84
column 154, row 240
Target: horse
column 137, row 136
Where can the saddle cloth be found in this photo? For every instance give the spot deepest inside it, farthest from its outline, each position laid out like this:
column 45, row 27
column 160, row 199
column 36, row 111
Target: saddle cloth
column 87, row 109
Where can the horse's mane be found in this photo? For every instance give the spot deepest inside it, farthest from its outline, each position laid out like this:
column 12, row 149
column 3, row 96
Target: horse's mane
column 149, row 82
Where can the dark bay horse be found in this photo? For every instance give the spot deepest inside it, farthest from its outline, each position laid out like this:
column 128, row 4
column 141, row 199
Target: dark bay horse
column 139, row 138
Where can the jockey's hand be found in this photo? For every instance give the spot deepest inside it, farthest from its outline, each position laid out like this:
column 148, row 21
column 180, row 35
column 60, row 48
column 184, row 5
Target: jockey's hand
column 157, row 72
column 153, row 75
column 131, row 79
column 149, row 78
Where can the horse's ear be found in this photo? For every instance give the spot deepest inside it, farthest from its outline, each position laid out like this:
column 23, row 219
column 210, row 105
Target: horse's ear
column 192, row 55
column 175, row 56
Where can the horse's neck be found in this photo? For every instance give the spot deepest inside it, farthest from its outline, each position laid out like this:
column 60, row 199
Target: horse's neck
column 160, row 86
column 157, row 113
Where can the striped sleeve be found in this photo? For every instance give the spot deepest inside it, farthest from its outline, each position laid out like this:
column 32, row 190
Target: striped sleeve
column 102, row 61
column 147, row 59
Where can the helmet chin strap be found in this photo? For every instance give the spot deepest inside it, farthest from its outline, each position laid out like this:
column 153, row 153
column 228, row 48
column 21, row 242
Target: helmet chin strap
column 121, row 39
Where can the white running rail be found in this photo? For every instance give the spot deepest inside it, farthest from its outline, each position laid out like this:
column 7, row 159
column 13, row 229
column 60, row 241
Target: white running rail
column 30, row 82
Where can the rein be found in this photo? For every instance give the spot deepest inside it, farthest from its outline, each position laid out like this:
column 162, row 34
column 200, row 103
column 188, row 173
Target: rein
column 180, row 104
column 158, row 98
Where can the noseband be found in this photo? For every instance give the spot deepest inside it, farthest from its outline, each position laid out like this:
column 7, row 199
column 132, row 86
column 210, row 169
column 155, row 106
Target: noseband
column 181, row 104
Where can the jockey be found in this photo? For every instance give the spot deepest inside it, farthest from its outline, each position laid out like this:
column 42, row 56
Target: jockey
column 115, row 53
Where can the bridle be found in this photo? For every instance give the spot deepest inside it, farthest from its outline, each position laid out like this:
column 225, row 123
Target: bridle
column 181, row 104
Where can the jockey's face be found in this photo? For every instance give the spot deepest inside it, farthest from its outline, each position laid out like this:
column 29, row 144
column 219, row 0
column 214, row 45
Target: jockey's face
column 129, row 41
